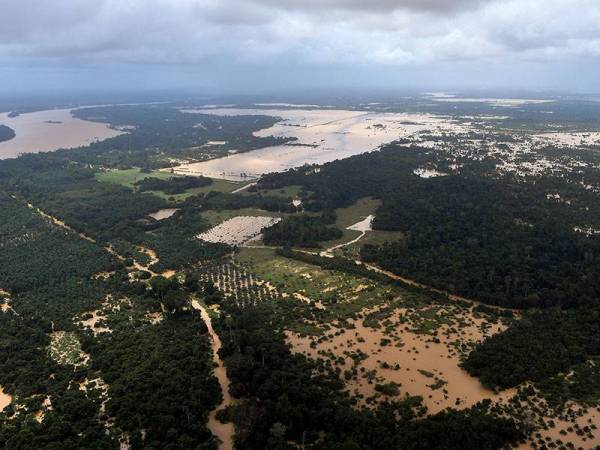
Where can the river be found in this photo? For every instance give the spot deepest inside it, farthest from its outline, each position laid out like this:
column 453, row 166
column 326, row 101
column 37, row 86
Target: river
column 46, row 131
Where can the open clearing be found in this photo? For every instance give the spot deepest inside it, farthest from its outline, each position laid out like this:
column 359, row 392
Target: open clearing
column 65, row 348
column 162, row 214
column 128, row 178
column 346, row 220
column 238, row 230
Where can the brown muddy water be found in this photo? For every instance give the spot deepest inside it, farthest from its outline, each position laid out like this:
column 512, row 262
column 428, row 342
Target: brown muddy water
column 324, row 135
column 224, row 431
column 46, row 131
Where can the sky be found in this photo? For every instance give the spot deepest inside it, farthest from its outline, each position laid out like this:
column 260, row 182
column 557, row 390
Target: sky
column 258, row 46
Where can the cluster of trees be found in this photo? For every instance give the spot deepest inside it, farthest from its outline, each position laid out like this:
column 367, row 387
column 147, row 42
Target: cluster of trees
column 172, row 186
column 114, row 214
column 160, row 376
column 6, row 133
column 300, row 231
column 492, row 238
column 28, row 373
column 161, row 131
column 36, row 254
column 537, row 347
column 221, row 201
column 581, row 385
column 161, row 383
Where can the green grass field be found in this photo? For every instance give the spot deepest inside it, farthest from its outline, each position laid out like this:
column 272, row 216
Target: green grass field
column 342, row 295
column 129, row 177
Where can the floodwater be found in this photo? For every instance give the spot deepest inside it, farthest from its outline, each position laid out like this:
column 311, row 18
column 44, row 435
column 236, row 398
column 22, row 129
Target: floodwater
column 224, row 431
column 5, row 399
column 325, row 135
column 46, row 131
column 415, row 353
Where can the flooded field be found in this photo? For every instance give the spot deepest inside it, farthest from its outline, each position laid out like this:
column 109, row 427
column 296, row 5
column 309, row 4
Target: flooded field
column 322, row 136
column 385, row 341
column 238, row 230
column 46, row 131
column 417, row 363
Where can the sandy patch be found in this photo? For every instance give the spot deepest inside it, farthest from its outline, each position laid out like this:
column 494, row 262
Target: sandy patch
column 5, row 399
column 570, row 139
column 162, row 214
column 428, row 173
column 65, row 349
column 364, row 225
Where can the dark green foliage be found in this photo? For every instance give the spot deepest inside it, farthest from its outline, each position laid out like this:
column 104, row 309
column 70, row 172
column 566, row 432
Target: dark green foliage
column 488, row 240
column 302, row 231
column 26, row 370
column 172, row 186
column 24, row 364
column 491, row 238
column 101, row 210
column 536, row 347
column 34, row 253
column 581, row 385
column 160, row 381
column 161, row 130
column 221, row 201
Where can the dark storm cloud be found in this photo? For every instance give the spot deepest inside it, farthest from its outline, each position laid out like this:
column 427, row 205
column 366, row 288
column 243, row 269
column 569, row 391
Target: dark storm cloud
column 268, row 34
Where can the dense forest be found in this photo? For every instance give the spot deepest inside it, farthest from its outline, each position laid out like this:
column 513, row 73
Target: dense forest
column 175, row 185
column 6, row 133
column 494, row 239
column 167, row 389
column 539, row 346
column 301, row 231
column 35, row 254
column 49, row 272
